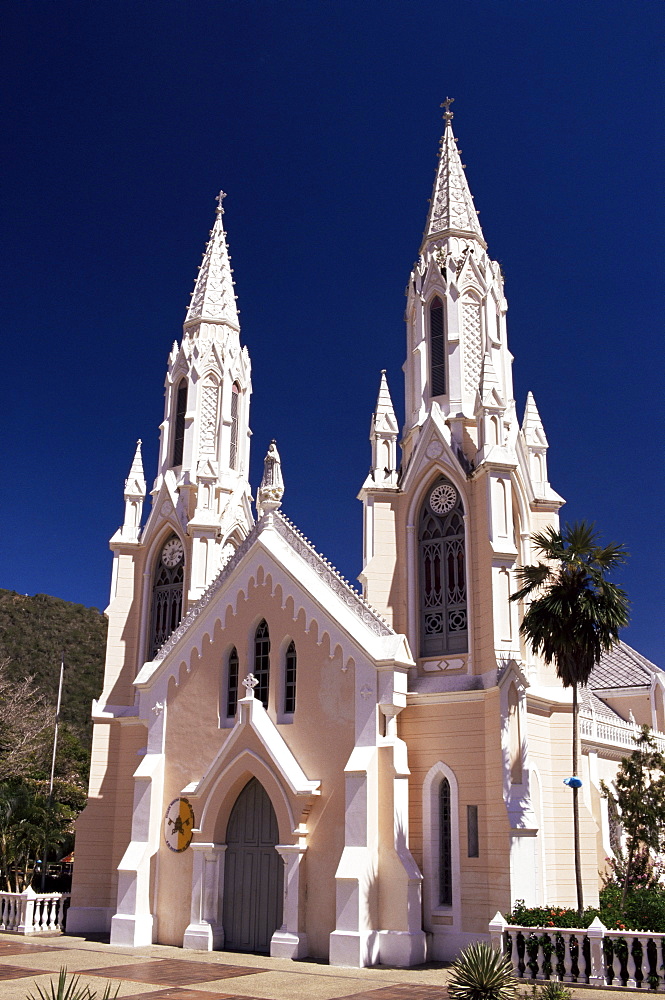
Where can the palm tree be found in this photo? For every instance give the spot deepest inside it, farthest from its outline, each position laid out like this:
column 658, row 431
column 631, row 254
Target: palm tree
column 574, row 617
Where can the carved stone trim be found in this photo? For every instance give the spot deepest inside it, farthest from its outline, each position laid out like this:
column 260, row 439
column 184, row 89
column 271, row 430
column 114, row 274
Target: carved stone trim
column 323, row 569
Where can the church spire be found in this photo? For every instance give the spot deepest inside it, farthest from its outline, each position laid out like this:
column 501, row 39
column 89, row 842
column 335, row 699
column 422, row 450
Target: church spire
column 213, row 299
column 383, row 435
column 135, row 491
column 452, row 211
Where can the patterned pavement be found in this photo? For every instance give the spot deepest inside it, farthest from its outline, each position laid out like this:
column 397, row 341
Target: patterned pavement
column 159, row 972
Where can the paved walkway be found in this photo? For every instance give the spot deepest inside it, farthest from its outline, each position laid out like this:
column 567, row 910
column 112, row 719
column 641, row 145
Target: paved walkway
column 164, row 973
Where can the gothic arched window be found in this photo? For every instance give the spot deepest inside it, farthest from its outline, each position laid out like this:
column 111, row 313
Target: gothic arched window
column 232, row 684
column 445, row 845
column 262, row 662
column 443, row 604
column 179, row 425
column 235, row 406
column 290, row 666
column 167, row 593
column 437, row 350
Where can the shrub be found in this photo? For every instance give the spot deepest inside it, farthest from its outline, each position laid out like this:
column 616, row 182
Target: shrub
column 549, row 916
column 71, row 990
column 481, row 973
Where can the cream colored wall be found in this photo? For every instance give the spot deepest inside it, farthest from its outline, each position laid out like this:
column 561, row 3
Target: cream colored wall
column 321, row 737
column 465, row 735
column 550, row 750
column 103, row 829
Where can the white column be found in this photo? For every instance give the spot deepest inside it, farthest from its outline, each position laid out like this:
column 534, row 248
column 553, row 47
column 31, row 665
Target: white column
column 289, row 941
column 205, row 931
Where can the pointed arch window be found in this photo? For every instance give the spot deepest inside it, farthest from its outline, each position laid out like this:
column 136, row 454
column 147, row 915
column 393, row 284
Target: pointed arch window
column 262, row 662
column 443, row 598
column 290, row 667
column 235, row 408
column 445, row 845
column 437, row 349
column 167, row 593
column 179, row 424
column 232, row 684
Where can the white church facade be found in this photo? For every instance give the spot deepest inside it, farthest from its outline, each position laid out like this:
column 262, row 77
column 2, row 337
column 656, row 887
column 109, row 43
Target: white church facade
column 283, row 765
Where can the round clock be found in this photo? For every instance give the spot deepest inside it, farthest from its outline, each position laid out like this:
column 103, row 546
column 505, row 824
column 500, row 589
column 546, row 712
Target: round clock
column 443, row 498
column 172, row 552
column 179, row 825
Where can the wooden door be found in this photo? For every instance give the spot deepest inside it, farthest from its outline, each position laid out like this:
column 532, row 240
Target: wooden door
column 253, row 873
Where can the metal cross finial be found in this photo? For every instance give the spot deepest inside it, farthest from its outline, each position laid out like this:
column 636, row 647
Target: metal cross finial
column 219, row 199
column 448, row 115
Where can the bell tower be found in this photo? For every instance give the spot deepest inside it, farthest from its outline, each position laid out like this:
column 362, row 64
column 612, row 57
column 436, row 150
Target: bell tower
column 204, row 439
column 443, row 535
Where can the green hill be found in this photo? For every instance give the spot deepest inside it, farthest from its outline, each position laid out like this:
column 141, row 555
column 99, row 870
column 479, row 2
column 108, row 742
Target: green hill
column 33, row 633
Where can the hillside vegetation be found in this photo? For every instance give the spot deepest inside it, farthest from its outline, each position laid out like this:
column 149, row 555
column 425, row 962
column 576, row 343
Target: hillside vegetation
column 34, row 631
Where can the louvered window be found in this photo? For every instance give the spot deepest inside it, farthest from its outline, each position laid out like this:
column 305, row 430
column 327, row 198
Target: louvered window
column 235, row 399
column 290, row 679
column 437, row 348
column 179, row 428
column 262, row 662
column 445, row 845
column 443, row 600
column 232, row 684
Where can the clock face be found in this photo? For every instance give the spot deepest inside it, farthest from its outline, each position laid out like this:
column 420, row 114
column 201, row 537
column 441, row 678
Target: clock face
column 172, row 552
column 443, row 498
column 179, row 825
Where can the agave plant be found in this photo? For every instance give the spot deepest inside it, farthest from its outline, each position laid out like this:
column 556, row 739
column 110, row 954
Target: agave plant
column 71, row 990
column 481, row 973
column 554, row 991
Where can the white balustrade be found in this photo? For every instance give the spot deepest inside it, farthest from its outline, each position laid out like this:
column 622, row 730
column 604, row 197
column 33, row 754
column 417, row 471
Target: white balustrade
column 31, row 913
column 593, row 955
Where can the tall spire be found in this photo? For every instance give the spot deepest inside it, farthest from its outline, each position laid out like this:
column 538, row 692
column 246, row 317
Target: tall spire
column 135, row 491
column 213, row 299
column 452, row 210
column 383, row 435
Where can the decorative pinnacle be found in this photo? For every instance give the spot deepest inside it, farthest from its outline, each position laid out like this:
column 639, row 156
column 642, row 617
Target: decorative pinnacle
column 219, row 199
column 448, row 115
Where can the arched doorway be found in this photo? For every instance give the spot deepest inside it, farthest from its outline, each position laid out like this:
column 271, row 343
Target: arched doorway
column 253, row 873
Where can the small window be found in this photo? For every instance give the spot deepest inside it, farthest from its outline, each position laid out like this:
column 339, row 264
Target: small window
column 232, row 685
column 233, row 454
column 437, row 349
column 290, row 680
column 179, row 428
column 262, row 662
column 472, row 831
column 445, row 845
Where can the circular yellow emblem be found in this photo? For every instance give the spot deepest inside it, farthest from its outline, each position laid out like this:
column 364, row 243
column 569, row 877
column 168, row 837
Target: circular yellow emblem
column 179, row 825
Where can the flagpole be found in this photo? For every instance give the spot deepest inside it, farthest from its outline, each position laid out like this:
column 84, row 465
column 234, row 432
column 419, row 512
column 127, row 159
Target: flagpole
column 55, row 749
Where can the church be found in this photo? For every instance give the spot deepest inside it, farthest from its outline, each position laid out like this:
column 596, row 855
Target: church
column 284, row 764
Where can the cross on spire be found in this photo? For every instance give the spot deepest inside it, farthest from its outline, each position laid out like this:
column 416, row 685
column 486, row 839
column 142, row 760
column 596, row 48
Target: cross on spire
column 219, row 199
column 448, row 115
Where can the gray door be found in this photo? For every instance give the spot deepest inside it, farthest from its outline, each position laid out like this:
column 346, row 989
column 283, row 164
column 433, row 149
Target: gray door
column 253, row 873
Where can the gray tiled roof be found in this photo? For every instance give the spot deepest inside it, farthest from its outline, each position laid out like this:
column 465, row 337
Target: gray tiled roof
column 591, row 702
column 623, row 667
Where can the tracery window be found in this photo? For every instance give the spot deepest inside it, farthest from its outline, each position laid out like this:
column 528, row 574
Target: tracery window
column 437, row 350
column 232, row 684
column 179, row 425
column 443, row 600
column 262, row 662
column 445, row 845
column 167, row 593
column 290, row 665
column 235, row 401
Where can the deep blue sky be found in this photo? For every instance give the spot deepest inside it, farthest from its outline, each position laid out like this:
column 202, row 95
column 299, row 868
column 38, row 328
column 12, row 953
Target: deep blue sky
column 321, row 120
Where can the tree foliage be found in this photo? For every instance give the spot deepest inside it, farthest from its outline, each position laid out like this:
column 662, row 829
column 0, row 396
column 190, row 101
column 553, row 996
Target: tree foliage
column 24, row 719
column 30, row 826
column 639, row 794
column 34, row 631
column 573, row 617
